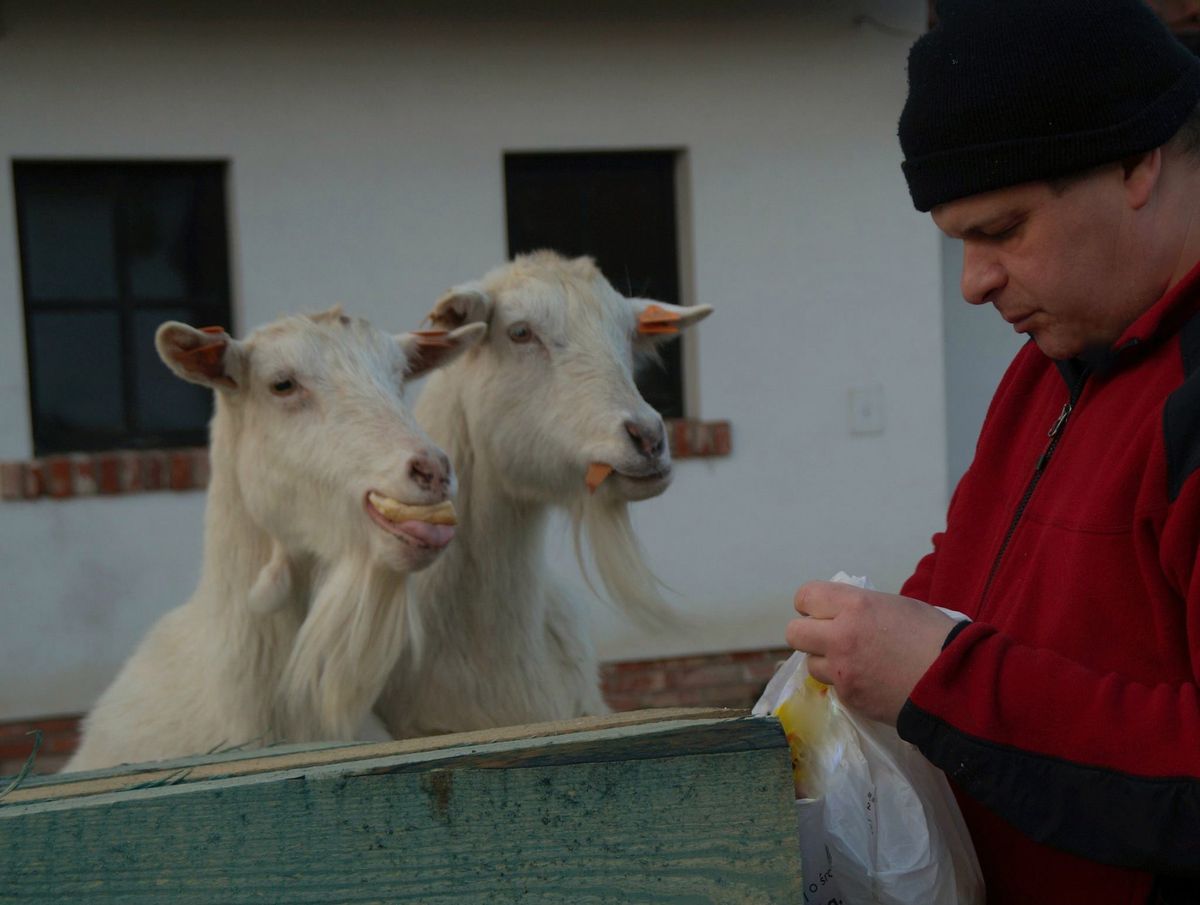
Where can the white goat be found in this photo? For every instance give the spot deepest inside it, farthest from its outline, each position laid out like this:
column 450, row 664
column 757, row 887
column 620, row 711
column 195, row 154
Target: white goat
column 299, row 614
column 494, row 639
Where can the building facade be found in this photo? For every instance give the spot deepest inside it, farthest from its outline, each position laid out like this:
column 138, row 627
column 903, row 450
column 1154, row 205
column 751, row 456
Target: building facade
column 364, row 155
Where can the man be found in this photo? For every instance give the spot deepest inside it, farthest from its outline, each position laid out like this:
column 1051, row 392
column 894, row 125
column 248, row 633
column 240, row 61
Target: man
column 1058, row 141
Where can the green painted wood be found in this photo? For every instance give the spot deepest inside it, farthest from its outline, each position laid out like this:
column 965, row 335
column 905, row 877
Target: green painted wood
column 208, row 765
column 534, row 738
column 680, row 812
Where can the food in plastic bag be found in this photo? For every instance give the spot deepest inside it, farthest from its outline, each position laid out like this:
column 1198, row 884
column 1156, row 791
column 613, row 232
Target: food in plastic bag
column 878, row 822
column 804, row 715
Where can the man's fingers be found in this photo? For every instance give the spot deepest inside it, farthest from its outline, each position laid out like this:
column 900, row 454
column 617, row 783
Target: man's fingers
column 818, row 668
column 822, row 599
column 809, row 635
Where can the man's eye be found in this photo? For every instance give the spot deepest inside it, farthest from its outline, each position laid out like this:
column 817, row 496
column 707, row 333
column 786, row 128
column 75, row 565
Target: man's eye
column 520, row 333
column 283, row 387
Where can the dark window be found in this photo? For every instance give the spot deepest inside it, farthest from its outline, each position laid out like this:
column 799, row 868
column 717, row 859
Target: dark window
column 108, row 252
column 619, row 208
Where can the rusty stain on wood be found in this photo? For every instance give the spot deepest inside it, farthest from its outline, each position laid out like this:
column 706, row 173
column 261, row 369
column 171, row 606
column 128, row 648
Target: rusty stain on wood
column 439, row 785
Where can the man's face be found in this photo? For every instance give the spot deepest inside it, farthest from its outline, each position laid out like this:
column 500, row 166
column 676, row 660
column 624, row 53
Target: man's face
column 1059, row 266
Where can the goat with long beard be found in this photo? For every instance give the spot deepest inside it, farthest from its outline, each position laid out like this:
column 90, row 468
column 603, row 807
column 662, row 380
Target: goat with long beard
column 299, row 614
column 543, row 413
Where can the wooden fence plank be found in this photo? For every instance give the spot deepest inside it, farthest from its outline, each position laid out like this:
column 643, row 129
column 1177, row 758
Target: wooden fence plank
column 682, row 810
column 279, row 757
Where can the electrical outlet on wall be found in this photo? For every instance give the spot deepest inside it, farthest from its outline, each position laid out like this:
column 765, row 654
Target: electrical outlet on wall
column 866, row 409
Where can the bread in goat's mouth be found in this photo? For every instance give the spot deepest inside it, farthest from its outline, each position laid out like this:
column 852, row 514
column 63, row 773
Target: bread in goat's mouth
column 394, row 511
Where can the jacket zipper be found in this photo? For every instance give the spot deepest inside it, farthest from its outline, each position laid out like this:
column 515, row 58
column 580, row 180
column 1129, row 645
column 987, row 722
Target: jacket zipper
column 1039, row 469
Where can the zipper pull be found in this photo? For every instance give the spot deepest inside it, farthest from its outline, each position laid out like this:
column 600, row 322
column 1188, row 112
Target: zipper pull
column 1052, row 433
column 1061, row 420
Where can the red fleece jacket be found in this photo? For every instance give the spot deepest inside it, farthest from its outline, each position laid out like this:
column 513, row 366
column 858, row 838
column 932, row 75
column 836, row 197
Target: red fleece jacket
column 1067, row 714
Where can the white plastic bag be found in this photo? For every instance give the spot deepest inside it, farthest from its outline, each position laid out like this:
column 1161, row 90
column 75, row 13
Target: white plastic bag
column 882, row 825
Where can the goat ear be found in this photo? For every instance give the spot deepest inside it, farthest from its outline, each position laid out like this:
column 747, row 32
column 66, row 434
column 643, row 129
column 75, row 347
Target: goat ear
column 425, row 350
column 468, row 304
column 208, row 356
column 659, row 321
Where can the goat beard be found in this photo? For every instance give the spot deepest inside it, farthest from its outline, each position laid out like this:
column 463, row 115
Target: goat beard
column 344, row 652
column 619, row 561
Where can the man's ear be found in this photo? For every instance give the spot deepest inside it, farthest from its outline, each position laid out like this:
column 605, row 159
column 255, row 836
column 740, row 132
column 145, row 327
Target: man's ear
column 425, row 350
column 659, row 321
column 1141, row 173
column 208, row 356
column 466, row 304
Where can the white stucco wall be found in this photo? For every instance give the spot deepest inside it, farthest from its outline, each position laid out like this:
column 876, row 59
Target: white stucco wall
column 365, row 158
column 979, row 346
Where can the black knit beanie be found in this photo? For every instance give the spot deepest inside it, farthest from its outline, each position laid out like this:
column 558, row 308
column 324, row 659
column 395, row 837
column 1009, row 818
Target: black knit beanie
column 1008, row 91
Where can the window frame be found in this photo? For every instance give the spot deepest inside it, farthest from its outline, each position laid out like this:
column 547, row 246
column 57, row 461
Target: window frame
column 118, row 176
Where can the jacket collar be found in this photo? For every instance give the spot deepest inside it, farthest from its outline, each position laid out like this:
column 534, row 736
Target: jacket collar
column 1158, row 322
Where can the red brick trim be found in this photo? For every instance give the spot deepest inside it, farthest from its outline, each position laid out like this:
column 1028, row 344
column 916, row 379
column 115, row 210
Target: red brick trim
column 731, row 679
column 60, row 735
column 137, row 471
column 104, row 474
column 60, row 738
column 693, row 439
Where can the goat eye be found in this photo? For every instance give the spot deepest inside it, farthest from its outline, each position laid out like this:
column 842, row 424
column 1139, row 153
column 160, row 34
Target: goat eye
column 283, row 387
column 520, row 333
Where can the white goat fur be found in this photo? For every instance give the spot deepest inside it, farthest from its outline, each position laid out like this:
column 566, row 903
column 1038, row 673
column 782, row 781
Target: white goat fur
column 299, row 613
column 495, row 639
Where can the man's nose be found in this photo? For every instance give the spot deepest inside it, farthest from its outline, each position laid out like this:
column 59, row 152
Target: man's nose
column 982, row 275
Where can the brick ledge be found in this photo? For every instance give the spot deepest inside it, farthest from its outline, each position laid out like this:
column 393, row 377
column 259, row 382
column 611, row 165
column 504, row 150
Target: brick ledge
column 110, row 473
column 118, row 472
column 691, row 438
column 727, row 679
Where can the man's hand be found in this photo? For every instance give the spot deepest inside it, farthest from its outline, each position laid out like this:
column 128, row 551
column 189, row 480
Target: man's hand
column 872, row 647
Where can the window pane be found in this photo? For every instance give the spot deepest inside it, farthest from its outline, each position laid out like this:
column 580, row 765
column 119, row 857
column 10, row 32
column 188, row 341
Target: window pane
column 68, row 241
column 165, row 403
column 76, row 361
column 158, row 217
column 175, row 233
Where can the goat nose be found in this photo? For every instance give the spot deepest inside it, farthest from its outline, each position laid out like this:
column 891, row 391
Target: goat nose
column 648, row 438
column 430, row 471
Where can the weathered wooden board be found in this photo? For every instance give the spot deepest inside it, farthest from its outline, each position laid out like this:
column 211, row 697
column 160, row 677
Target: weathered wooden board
column 682, row 809
column 240, row 760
